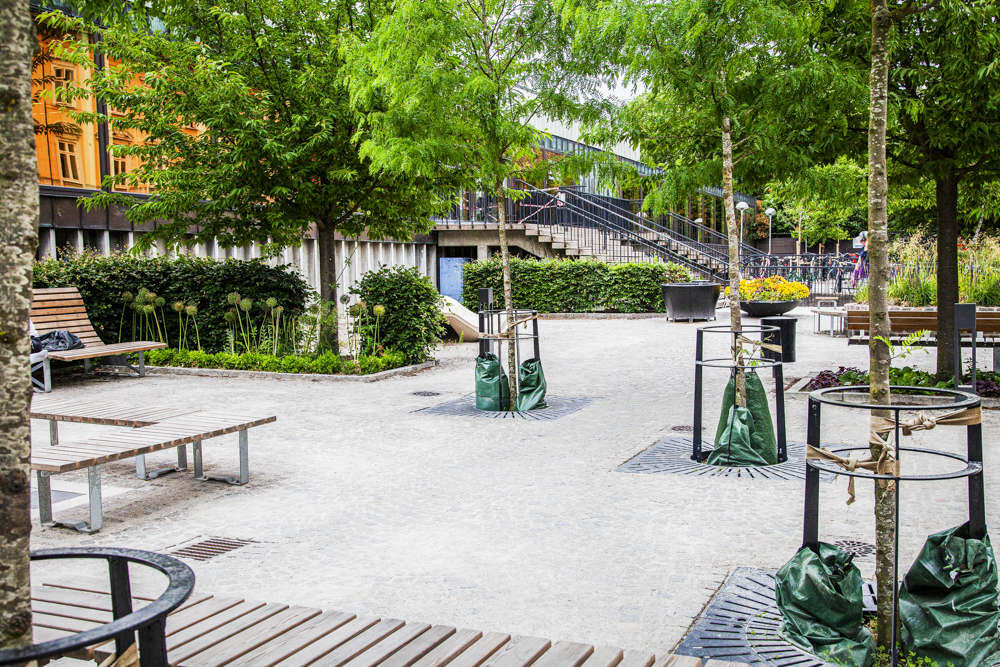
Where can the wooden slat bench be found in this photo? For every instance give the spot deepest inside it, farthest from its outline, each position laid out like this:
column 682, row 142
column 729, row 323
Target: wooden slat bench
column 211, row 631
column 172, row 428
column 61, row 308
column 905, row 322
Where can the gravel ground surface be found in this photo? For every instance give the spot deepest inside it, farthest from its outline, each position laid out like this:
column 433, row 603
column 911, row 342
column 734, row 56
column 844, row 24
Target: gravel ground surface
column 359, row 502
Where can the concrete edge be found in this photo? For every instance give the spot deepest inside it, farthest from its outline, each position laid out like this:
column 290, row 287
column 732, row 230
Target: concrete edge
column 797, row 390
column 599, row 316
column 264, row 375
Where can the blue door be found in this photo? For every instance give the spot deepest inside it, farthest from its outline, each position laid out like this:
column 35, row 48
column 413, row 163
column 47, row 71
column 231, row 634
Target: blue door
column 450, row 271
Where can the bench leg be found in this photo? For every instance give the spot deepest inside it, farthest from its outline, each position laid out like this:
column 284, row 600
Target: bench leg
column 47, row 375
column 53, row 432
column 996, row 359
column 198, row 472
column 94, row 495
column 142, row 473
column 86, row 365
column 142, row 364
column 44, row 497
column 244, row 464
column 244, row 457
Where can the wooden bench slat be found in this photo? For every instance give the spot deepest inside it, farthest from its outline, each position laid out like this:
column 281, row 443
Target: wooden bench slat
column 565, row 654
column 183, row 619
column 457, row 644
column 62, row 623
column 419, row 647
column 671, row 660
column 520, row 652
column 207, row 625
column 81, row 613
column 102, row 586
column 331, row 642
column 382, row 650
column 312, row 630
column 225, row 651
column 607, row 656
column 488, row 645
column 355, row 647
column 637, row 659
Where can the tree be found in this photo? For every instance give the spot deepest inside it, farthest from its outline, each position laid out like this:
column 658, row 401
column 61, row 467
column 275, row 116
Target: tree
column 462, row 82
column 733, row 93
column 19, row 238
column 242, row 126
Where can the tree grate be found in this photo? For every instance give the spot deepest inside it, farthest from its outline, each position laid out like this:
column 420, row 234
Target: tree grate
column 210, row 548
column 672, row 456
column 861, row 550
column 742, row 621
column 684, row 428
column 558, row 406
column 426, row 393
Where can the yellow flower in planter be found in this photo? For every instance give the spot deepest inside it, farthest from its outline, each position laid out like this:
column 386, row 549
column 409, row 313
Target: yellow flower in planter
column 772, row 288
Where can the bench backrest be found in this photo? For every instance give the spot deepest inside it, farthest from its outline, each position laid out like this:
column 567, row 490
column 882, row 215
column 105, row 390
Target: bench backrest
column 908, row 321
column 62, row 308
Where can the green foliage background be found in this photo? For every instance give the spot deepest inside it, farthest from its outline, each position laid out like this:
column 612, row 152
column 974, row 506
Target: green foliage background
column 584, row 286
column 413, row 322
column 326, row 363
column 202, row 281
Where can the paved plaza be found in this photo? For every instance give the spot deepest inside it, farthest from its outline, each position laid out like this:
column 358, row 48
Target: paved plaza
column 360, row 502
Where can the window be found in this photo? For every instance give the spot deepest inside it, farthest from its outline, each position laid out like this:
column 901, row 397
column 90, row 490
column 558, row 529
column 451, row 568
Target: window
column 119, row 165
column 62, row 81
column 68, row 162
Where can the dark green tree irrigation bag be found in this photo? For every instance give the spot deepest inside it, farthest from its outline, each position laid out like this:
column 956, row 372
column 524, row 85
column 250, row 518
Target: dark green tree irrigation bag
column 492, row 387
column 762, row 448
column 948, row 601
column 530, row 386
column 819, row 595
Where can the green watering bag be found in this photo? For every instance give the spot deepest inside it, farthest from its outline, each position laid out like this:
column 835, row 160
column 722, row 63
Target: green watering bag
column 531, row 386
column 819, row 595
column 492, row 387
column 948, row 601
column 763, row 446
column 734, row 447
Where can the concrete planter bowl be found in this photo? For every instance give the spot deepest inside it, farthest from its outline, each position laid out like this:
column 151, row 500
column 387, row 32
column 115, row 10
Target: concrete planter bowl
column 691, row 301
column 767, row 308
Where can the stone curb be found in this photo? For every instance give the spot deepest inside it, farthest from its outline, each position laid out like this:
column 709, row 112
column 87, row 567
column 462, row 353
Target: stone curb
column 599, row 316
column 263, row 375
column 797, row 390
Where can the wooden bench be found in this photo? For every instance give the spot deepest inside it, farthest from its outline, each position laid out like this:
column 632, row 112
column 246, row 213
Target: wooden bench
column 905, row 322
column 154, row 430
column 213, row 631
column 61, row 308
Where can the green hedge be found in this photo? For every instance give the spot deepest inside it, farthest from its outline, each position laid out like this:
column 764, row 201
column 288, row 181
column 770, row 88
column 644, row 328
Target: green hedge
column 575, row 286
column 327, row 363
column 201, row 281
column 413, row 322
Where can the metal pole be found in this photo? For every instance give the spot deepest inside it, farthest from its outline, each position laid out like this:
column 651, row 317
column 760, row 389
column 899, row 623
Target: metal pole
column 894, row 648
column 810, row 525
column 121, row 600
column 696, row 430
column 769, row 218
column 977, row 498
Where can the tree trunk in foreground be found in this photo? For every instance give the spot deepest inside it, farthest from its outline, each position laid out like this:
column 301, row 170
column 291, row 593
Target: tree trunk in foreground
column 947, row 274
column 733, row 228
column 329, row 336
column 878, row 304
column 508, row 294
column 19, row 239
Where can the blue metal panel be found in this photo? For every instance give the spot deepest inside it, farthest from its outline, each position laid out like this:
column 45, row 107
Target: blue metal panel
column 450, row 270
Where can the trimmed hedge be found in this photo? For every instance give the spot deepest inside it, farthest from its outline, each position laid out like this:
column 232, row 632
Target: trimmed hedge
column 202, row 281
column 327, row 363
column 574, row 286
column 413, row 322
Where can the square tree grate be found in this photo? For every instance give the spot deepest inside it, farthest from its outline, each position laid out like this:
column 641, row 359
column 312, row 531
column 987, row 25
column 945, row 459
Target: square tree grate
column 558, row 406
column 741, row 624
column 210, row 548
column 672, row 456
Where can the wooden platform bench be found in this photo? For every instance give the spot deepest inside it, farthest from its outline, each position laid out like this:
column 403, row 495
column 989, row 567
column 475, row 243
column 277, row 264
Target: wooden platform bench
column 61, row 308
column 153, row 430
column 214, row 631
column 905, row 322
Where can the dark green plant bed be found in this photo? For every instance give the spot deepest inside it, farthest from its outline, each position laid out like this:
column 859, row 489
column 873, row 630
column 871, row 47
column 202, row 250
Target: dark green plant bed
column 327, row 363
column 987, row 382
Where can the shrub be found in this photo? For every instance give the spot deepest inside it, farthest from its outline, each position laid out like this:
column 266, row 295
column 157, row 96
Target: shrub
column 201, row 281
column 327, row 363
column 413, row 323
column 574, row 286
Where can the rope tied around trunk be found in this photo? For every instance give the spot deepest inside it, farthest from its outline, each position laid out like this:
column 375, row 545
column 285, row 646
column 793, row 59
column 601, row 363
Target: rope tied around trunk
column 886, row 464
column 511, row 329
column 767, row 346
column 924, row 421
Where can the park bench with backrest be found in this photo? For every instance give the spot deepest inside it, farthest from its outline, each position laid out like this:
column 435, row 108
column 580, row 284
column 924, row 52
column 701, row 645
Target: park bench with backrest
column 153, row 430
column 214, row 631
column 61, row 308
column 902, row 323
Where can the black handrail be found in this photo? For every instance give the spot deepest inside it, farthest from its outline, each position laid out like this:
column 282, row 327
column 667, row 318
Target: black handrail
column 150, row 621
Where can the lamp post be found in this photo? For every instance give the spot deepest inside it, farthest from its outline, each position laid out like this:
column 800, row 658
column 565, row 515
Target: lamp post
column 741, row 207
column 770, row 215
column 699, row 222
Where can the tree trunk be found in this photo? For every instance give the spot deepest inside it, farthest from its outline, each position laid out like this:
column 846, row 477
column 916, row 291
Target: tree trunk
column 733, row 228
column 329, row 335
column 947, row 274
column 508, row 293
column 878, row 305
column 19, row 238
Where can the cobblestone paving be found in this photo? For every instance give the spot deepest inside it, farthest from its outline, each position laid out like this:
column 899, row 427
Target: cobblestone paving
column 359, row 503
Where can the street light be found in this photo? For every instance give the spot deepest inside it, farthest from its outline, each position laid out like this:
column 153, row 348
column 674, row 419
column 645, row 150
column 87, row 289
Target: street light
column 741, row 207
column 770, row 214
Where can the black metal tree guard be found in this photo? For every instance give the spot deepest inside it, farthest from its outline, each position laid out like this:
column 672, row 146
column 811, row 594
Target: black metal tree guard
column 973, row 470
column 768, row 334
column 150, row 621
column 491, row 339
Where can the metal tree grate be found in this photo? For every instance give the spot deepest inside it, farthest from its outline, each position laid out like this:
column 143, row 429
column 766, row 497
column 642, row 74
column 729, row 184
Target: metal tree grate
column 426, row 393
column 684, row 428
column 672, row 456
column 741, row 624
column 558, row 406
column 210, row 548
column 861, row 550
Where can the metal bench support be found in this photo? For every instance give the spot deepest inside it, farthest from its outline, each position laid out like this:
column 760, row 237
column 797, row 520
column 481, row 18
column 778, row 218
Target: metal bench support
column 45, row 384
column 182, row 465
column 93, row 499
column 229, row 479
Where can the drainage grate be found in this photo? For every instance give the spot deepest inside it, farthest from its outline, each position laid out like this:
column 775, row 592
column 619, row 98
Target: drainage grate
column 672, row 456
column 861, row 550
column 558, row 406
column 741, row 624
column 426, row 393
column 684, row 428
column 210, row 548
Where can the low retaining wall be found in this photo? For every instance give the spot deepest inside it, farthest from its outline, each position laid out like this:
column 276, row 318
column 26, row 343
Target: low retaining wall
column 263, row 375
column 798, row 390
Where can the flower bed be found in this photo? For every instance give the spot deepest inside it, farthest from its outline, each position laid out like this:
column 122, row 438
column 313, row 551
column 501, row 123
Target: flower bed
column 987, row 382
column 327, row 363
column 772, row 288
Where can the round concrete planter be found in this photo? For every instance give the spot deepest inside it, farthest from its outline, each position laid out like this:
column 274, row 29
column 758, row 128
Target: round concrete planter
column 767, row 308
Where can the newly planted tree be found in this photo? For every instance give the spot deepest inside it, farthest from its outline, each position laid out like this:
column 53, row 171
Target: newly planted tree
column 464, row 84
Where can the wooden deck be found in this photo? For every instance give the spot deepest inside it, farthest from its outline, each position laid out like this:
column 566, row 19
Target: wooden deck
column 214, row 631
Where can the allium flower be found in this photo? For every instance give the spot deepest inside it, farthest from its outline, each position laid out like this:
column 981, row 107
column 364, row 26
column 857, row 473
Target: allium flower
column 246, row 305
column 178, row 306
column 345, row 299
column 354, row 310
column 160, row 302
column 230, row 316
column 279, row 310
column 126, row 296
column 233, row 298
column 191, row 310
column 148, row 309
column 379, row 311
column 271, row 302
